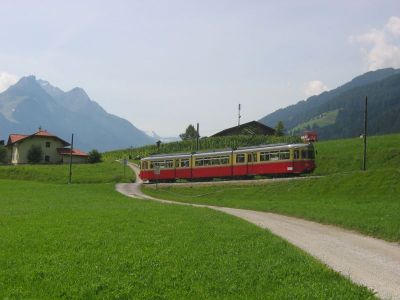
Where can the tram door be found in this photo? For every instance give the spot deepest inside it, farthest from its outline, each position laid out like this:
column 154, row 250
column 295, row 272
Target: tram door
column 251, row 160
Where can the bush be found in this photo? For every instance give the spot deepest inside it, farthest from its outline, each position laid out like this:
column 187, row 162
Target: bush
column 35, row 154
column 3, row 154
column 94, row 156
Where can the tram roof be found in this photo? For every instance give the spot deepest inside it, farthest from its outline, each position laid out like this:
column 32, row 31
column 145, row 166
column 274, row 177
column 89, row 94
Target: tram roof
column 224, row 151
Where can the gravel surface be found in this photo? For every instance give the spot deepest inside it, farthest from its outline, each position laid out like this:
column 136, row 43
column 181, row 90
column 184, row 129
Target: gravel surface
column 365, row 260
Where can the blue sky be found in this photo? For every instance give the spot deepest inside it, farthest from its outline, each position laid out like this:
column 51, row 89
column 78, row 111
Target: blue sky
column 165, row 64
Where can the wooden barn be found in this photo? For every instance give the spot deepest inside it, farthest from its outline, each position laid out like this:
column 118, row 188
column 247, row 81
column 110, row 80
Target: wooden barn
column 250, row 128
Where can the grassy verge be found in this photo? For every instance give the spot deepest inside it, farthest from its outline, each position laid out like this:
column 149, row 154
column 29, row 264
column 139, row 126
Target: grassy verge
column 368, row 202
column 81, row 173
column 86, row 241
column 345, row 155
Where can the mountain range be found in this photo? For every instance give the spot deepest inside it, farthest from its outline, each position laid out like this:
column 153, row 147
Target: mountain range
column 32, row 102
column 339, row 113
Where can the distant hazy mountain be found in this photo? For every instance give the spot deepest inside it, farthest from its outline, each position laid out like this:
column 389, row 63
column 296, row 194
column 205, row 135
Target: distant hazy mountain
column 156, row 137
column 31, row 103
column 339, row 112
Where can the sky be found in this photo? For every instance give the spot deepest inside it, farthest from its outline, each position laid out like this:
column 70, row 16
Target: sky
column 163, row 65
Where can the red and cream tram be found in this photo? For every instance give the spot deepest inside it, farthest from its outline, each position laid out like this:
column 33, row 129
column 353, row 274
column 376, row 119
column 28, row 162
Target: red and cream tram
column 278, row 159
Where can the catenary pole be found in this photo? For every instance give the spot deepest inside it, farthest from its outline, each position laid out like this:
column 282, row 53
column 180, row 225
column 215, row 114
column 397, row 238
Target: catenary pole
column 197, row 137
column 70, row 159
column 365, row 134
column 239, row 116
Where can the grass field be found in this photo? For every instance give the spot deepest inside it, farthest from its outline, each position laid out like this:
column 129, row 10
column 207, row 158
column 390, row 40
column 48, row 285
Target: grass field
column 339, row 156
column 86, row 241
column 368, row 202
column 81, row 173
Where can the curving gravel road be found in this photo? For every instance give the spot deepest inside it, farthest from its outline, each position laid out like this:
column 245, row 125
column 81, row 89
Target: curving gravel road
column 365, row 260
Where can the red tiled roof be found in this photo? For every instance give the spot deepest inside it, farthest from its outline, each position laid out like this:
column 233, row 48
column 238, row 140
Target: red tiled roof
column 75, row 152
column 13, row 138
column 43, row 133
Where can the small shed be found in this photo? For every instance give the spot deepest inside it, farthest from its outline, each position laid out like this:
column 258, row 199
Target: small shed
column 78, row 156
column 250, row 128
column 309, row 136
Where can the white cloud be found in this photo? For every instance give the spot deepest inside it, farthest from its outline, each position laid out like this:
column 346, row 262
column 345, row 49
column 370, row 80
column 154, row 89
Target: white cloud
column 393, row 26
column 314, row 87
column 6, row 80
column 382, row 45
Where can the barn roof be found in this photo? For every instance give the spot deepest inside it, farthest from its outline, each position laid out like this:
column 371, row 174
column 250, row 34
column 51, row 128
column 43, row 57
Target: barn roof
column 75, row 152
column 249, row 128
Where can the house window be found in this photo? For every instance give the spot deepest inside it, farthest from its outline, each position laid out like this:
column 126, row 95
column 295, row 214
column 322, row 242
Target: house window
column 47, row 144
column 47, row 158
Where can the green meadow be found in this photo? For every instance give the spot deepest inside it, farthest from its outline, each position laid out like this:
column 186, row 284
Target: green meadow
column 104, row 172
column 85, row 241
column 367, row 202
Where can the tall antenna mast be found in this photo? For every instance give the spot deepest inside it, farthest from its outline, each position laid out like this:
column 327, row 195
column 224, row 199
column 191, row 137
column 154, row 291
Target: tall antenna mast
column 239, row 116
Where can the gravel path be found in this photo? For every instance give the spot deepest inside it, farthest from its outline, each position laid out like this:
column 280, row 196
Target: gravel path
column 365, row 260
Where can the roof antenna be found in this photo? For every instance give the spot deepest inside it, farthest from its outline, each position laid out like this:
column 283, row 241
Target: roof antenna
column 40, row 128
column 239, row 116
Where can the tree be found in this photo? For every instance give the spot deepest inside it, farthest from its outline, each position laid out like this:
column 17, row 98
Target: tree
column 94, row 156
column 279, row 129
column 190, row 133
column 3, row 154
column 35, row 154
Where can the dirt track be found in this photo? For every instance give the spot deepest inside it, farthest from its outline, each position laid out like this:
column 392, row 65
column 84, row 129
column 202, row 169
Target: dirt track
column 365, row 260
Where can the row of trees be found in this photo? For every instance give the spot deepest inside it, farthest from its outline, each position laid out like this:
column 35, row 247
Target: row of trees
column 3, row 154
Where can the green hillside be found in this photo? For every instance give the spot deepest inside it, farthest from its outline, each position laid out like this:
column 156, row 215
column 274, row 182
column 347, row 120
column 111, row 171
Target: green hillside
column 347, row 101
column 368, row 201
column 324, row 119
column 346, row 155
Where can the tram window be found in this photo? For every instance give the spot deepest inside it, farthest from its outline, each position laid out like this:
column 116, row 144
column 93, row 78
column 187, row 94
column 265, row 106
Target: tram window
column 144, row 165
column 199, row 162
column 161, row 164
column 284, row 155
column 303, row 154
column 296, row 154
column 207, row 161
column 184, row 163
column 215, row 161
column 224, row 160
column 264, row 156
column 252, row 157
column 177, row 163
column 151, row 165
column 169, row 164
column 239, row 158
column 274, row 155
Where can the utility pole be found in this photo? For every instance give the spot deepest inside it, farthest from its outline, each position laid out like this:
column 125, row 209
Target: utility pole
column 239, row 116
column 365, row 133
column 70, row 159
column 197, row 137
